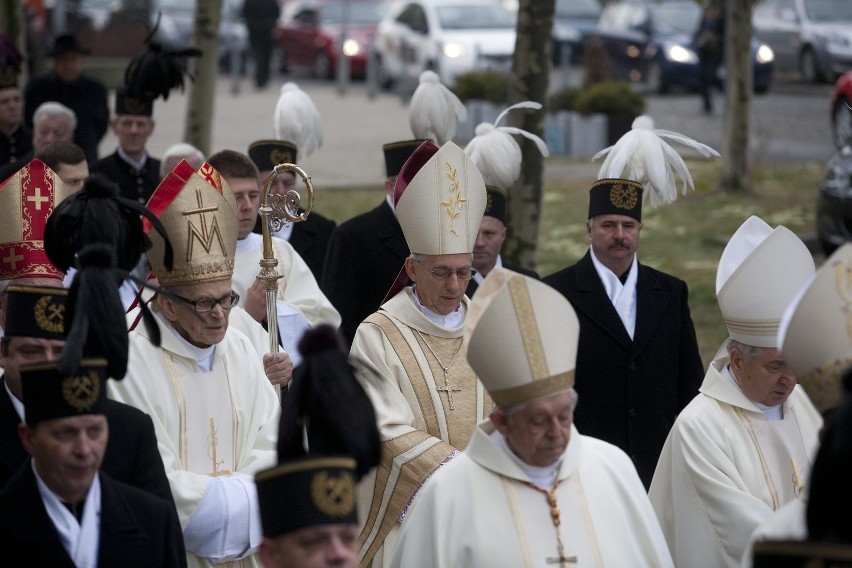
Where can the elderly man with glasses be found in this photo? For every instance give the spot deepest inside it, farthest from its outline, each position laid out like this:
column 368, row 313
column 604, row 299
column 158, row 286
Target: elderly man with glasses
column 426, row 397
column 214, row 411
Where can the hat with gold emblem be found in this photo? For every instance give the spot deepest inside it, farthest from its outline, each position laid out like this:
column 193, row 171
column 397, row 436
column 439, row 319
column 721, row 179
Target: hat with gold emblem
column 307, row 492
column 198, row 210
column 49, row 393
column 27, row 198
column 396, row 154
column 129, row 105
column 266, row 154
column 760, row 272
column 816, row 331
column 35, row 311
column 521, row 338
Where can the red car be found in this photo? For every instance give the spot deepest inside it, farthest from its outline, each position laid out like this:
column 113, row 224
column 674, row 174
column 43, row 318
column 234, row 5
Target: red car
column 309, row 34
column 841, row 110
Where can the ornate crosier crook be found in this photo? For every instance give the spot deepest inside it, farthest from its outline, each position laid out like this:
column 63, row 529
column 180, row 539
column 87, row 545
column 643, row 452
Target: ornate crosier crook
column 275, row 211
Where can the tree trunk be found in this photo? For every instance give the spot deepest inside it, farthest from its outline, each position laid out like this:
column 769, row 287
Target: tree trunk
column 529, row 82
column 736, row 152
column 202, row 91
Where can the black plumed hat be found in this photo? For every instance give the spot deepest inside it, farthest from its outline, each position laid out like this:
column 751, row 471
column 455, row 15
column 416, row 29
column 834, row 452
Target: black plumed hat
column 326, row 405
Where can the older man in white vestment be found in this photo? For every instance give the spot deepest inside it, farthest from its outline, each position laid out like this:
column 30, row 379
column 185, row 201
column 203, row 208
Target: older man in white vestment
column 426, row 397
column 214, row 411
column 743, row 447
column 816, row 341
column 529, row 490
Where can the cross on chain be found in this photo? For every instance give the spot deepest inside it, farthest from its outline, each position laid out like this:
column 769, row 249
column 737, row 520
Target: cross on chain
column 562, row 560
column 449, row 389
column 38, row 198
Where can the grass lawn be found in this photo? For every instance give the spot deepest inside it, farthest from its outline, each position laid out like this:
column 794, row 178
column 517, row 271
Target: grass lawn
column 685, row 238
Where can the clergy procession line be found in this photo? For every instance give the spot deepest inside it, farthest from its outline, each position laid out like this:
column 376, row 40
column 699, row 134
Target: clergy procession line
column 426, row 404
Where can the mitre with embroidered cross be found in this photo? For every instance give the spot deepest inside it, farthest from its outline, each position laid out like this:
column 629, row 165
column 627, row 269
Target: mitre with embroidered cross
column 198, row 210
column 760, row 272
column 816, row 331
column 27, row 199
column 439, row 199
column 521, row 338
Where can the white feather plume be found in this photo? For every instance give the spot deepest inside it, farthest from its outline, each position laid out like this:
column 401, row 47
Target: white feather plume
column 645, row 156
column 297, row 119
column 433, row 110
column 496, row 152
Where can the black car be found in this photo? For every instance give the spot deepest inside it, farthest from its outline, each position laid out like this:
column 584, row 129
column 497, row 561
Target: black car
column 834, row 204
column 651, row 42
column 573, row 21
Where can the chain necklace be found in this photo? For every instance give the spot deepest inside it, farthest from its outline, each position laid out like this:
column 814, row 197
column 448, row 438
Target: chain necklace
column 562, row 560
column 447, row 388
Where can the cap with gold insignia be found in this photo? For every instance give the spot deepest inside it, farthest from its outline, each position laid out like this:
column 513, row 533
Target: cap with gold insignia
column 760, row 272
column 128, row 105
column 307, row 492
column 27, row 198
column 616, row 197
column 49, row 393
column 816, row 331
column 266, row 154
column 521, row 338
column 198, row 211
column 396, row 154
column 35, row 311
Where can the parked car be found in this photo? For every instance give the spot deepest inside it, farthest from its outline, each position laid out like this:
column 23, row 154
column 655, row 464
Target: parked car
column 652, row 42
column 450, row 37
column 309, row 34
column 841, row 111
column 834, row 203
column 813, row 36
column 573, row 21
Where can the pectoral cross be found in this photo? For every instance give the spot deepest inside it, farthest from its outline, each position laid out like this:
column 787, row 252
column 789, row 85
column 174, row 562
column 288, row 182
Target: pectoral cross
column 212, row 442
column 449, row 389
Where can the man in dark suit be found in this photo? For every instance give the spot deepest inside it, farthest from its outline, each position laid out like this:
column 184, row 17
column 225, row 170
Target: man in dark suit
column 130, row 166
column 34, row 333
column 365, row 252
column 309, row 237
column 637, row 363
column 58, row 509
column 489, row 241
column 67, row 84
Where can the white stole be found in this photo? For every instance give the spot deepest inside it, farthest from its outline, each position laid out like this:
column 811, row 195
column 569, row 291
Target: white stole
column 622, row 296
column 80, row 539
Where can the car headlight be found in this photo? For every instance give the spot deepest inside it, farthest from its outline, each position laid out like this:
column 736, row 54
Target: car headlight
column 681, row 54
column 453, row 50
column 351, row 48
column 764, row 54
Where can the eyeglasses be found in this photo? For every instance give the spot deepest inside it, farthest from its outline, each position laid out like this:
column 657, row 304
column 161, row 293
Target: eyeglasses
column 204, row 305
column 444, row 273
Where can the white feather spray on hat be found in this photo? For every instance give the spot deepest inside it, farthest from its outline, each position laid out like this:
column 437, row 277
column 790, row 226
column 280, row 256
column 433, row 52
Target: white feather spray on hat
column 644, row 155
column 496, row 152
column 433, row 110
column 297, row 119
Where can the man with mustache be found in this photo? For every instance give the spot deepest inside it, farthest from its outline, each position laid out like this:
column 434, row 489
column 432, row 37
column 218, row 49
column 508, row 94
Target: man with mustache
column 637, row 362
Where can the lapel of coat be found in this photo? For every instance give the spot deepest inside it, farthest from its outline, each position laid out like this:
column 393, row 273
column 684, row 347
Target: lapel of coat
column 388, row 231
column 120, row 533
column 302, row 237
column 652, row 299
column 592, row 301
column 12, row 452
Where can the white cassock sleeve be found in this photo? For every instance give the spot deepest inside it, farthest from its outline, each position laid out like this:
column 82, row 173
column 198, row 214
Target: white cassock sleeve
column 292, row 324
column 233, row 499
column 299, row 288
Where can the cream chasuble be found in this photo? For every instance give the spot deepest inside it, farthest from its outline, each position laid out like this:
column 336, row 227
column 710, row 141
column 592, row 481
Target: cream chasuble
column 423, row 412
column 479, row 511
column 219, row 423
column 725, row 468
column 298, row 287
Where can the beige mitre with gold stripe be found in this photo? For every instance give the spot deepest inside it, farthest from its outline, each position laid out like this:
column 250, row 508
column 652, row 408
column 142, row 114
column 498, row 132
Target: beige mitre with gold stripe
column 521, row 337
column 816, row 331
column 760, row 272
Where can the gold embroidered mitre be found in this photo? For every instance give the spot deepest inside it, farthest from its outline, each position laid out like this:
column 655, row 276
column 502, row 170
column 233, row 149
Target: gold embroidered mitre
column 760, row 272
column 199, row 213
column 27, row 198
column 440, row 198
column 521, row 337
column 816, row 331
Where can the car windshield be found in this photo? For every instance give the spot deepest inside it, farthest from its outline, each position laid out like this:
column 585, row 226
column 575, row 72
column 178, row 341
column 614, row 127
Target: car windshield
column 475, row 16
column 828, row 11
column 359, row 12
column 581, row 9
column 677, row 18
